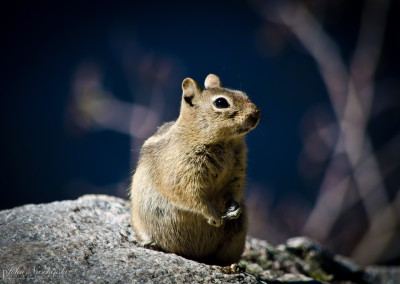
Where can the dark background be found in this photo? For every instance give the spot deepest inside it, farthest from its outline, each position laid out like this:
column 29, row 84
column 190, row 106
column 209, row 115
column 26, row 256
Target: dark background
column 46, row 155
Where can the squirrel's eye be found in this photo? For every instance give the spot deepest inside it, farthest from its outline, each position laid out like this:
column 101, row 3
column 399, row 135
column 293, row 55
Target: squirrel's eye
column 221, row 103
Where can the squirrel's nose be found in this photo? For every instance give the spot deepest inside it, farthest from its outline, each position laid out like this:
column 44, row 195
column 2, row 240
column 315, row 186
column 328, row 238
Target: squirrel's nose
column 255, row 115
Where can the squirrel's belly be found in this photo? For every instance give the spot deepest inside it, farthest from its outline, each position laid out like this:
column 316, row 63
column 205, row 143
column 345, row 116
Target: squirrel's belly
column 190, row 235
column 180, row 231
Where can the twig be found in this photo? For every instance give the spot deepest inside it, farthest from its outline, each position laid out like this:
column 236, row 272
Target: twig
column 351, row 97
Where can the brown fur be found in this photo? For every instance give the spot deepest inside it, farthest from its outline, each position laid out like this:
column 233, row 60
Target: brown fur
column 187, row 190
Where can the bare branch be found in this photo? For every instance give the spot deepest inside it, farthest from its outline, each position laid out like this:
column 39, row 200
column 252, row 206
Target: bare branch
column 351, row 97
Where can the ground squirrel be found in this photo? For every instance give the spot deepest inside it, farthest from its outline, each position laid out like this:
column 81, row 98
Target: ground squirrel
column 187, row 190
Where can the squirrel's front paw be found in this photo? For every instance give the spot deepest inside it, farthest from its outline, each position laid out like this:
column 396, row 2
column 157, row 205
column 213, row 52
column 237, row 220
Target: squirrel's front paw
column 233, row 212
column 215, row 222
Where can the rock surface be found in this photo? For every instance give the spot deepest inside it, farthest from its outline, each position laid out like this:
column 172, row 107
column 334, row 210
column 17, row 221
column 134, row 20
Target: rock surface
column 90, row 240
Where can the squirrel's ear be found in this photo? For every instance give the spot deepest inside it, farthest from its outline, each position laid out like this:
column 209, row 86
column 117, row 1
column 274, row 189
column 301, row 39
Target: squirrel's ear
column 190, row 90
column 212, row 81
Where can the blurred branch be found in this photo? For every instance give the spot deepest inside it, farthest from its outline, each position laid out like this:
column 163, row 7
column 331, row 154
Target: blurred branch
column 382, row 230
column 96, row 107
column 350, row 90
column 93, row 107
column 368, row 50
column 321, row 47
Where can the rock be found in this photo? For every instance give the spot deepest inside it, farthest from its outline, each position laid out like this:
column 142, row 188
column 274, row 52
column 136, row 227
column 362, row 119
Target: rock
column 323, row 263
column 383, row 274
column 90, row 240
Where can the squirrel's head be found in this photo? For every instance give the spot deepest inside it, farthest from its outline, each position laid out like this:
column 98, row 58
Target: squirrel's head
column 215, row 112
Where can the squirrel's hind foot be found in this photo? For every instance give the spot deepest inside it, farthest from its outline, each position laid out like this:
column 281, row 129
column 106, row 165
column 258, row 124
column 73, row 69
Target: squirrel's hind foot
column 151, row 245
